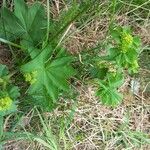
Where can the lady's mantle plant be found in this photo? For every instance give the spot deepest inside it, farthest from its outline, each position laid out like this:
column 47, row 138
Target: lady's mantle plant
column 8, row 95
column 47, row 67
column 122, row 55
column 127, row 49
column 8, row 92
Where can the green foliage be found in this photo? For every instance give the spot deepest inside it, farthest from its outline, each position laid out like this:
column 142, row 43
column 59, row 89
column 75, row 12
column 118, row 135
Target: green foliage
column 10, row 25
column 108, row 70
column 109, row 79
column 24, row 23
column 47, row 68
column 126, row 50
column 50, row 76
column 8, row 93
column 108, row 89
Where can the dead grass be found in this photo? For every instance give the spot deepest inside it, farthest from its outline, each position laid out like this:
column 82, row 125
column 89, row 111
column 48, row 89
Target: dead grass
column 95, row 126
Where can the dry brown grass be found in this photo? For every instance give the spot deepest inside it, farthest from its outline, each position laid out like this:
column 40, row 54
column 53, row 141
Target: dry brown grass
column 95, row 126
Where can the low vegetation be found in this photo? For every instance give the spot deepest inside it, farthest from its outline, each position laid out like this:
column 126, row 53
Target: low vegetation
column 71, row 76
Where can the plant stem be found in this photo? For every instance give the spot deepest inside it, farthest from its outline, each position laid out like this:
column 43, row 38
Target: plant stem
column 11, row 43
column 48, row 19
column 4, row 3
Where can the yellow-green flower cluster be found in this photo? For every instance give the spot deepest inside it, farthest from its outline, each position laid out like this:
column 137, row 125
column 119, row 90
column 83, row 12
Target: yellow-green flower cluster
column 111, row 67
column 31, row 77
column 127, row 38
column 127, row 41
column 103, row 64
column 5, row 103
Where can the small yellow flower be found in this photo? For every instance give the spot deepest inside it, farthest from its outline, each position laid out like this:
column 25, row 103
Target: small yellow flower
column 33, row 81
column 31, row 77
column 34, row 73
column 124, row 48
column 112, row 69
column 104, row 64
column 28, row 77
column 127, row 38
column 5, row 103
column 127, row 41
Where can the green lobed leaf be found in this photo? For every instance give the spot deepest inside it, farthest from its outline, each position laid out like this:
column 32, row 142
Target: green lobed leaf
column 51, row 75
column 99, row 73
column 109, row 95
column 27, row 23
column 33, row 20
column 116, row 80
column 3, row 70
column 107, row 90
column 13, row 92
column 10, row 26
